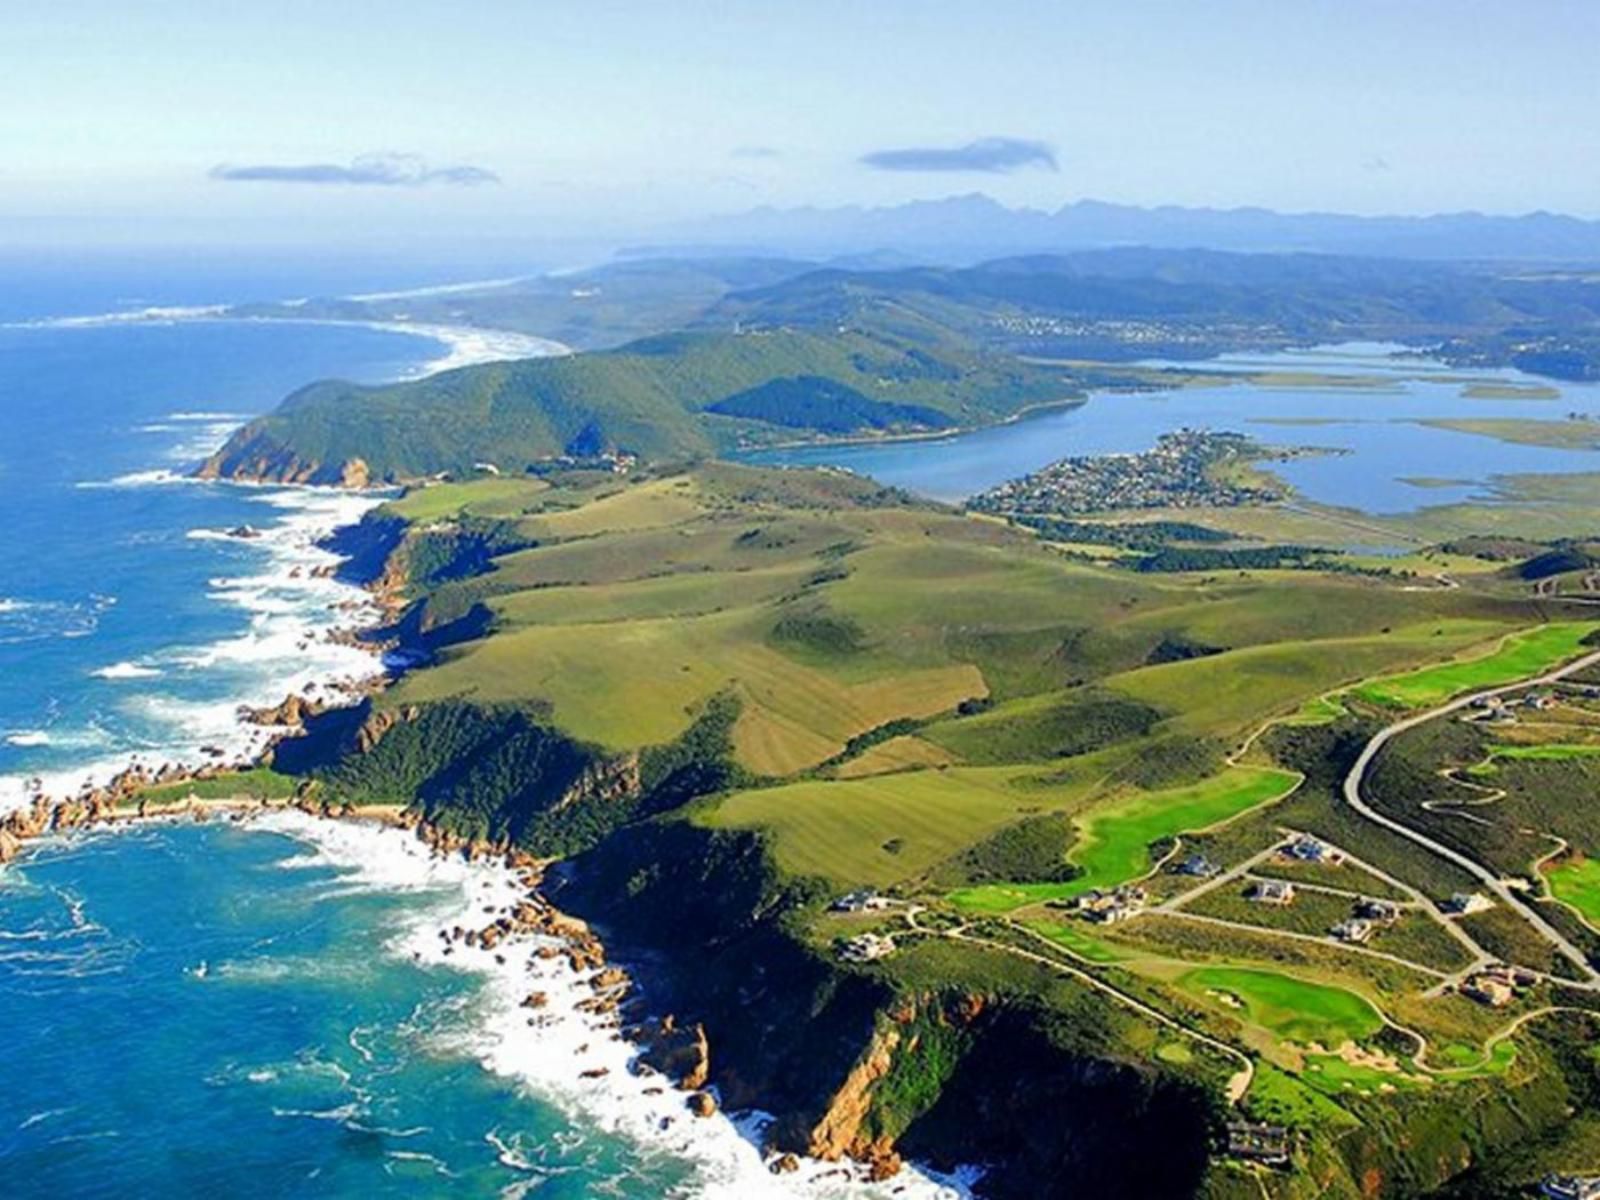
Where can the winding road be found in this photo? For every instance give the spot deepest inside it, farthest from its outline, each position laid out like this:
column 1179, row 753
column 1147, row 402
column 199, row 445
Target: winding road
column 1491, row 881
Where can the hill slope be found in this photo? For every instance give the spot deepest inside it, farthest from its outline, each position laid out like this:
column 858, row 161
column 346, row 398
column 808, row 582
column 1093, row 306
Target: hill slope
column 672, row 397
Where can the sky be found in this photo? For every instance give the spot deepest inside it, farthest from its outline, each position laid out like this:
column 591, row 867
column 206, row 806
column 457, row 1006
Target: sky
column 141, row 121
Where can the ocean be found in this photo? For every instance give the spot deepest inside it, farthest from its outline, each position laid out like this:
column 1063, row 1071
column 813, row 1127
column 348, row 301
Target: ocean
column 259, row 1007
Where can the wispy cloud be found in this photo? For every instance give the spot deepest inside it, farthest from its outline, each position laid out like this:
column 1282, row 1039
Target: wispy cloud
column 370, row 170
column 995, row 155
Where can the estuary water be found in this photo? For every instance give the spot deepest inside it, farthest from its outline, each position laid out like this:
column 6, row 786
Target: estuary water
column 1386, row 462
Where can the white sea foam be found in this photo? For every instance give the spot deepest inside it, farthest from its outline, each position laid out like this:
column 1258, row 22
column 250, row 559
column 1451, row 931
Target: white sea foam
column 127, row 670
column 440, row 289
column 153, row 315
column 291, row 605
column 465, row 345
column 550, row 1054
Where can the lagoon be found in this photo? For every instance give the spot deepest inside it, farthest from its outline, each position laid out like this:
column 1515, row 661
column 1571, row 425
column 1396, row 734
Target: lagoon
column 1385, row 462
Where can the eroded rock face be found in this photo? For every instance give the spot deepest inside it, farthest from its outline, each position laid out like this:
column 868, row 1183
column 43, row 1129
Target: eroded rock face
column 354, row 473
column 838, row 1133
column 292, row 712
column 253, row 455
column 613, row 779
column 379, row 723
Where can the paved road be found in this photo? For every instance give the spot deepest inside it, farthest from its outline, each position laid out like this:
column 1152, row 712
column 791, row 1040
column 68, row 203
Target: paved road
column 1493, row 882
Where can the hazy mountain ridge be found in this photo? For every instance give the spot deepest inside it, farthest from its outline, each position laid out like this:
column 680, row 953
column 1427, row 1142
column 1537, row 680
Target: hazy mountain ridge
column 971, row 227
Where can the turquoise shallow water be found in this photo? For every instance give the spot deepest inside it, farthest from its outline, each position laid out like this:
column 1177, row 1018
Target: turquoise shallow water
column 207, row 1011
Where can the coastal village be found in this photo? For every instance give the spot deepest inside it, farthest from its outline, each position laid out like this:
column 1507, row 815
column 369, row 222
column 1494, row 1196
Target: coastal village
column 1183, row 470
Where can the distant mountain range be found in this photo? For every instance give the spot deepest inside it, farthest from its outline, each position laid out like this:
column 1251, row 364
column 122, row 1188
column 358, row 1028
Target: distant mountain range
column 973, row 227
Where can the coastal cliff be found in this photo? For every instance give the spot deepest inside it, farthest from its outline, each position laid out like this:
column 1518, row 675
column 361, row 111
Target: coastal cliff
column 253, row 456
column 854, row 1066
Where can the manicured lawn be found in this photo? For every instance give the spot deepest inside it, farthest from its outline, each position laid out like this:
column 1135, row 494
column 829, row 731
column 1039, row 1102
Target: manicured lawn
column 1294, row 1009
column 1330, row 1073
column 1577, row 882
column 1520, row 656
column 1279, row 1097
column 1115, row 842
column 1072, row 937
column 1551, row 750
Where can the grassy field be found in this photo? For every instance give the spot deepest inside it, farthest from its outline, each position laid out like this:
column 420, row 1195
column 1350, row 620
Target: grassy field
column 1577, row 882
column 259, row 783
column 1115, row 838
column 882, row 830
column 1225, row 695
column 1294, row 1009
column 1518, row 656
column 494, row 496
column 630, row 683
column 897, row 754
column 1564, row 435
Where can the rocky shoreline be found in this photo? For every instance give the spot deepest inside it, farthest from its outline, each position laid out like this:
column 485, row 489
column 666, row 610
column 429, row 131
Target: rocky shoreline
column 666, row 1055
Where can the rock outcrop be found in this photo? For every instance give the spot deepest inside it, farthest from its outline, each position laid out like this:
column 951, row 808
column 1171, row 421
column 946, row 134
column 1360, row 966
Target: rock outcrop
column 682, row 1054
column 839, row 1132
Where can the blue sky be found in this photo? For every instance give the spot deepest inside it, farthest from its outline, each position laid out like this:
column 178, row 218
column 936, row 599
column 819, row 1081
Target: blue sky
column 167, row 120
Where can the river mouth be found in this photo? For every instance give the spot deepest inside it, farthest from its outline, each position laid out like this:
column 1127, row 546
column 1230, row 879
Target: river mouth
column 1363, row 402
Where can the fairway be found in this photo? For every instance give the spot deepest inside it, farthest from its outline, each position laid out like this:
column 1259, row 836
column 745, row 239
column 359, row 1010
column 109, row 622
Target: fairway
column 1114, row 846
column 1551, row 751
column 881, row 830
column 1577, row 882
column 1293, row 1009
column 1519, row 656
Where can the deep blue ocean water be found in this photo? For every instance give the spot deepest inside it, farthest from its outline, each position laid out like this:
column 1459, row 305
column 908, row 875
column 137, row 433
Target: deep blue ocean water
column 125, row 623
column 188, row 1012
column 263, row 1010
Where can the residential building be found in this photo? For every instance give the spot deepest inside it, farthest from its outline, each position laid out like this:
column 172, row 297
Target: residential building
column 1306, row 848
column 1108, row 908
column 1199, row 866
column 1385, row 911
column 1260, row 1143
column 1466, row 903
column 1272, row 891
column 867, row 947
column 1570, row 1187
column 861, row 901
column 1486, row 989
column 1354, row 930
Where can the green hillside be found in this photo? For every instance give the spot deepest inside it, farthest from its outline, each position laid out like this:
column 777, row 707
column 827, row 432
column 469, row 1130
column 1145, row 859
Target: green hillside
column 676, row 396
